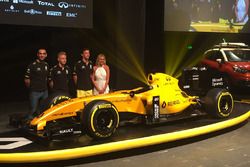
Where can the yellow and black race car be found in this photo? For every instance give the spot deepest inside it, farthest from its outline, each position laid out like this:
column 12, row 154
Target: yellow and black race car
column 223, row 27
column 99, row 116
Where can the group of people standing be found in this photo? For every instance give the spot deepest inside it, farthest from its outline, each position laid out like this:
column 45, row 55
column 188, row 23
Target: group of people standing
column 89, row 79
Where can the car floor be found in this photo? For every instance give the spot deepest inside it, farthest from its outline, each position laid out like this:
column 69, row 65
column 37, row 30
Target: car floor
column 226, row 148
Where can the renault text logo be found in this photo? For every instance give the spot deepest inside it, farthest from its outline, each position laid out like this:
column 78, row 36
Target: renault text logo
column 63, row 5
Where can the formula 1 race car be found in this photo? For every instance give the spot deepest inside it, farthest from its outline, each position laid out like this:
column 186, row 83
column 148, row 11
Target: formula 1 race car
column 224, row 27
column 99, row 116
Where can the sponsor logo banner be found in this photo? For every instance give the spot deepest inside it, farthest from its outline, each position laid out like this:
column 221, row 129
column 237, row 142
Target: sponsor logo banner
column 12, row 9
column 71, row 15
column 33, row 12
column 66, row 5
column 54, row 13
column 43, row 3
column 23, row 1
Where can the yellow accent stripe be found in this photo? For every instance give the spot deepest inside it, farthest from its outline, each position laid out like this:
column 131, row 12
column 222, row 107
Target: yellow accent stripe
column 92, row 119
column 218, row 103
column 66, row 154
column 118, row 117
column 246, row 101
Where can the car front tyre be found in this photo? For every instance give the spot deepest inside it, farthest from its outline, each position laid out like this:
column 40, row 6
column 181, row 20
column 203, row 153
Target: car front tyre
column 100, row 119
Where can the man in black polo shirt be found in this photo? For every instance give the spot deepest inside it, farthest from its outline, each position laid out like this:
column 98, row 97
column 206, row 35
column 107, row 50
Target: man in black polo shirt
column 82, row 74
column 60, row 75
column 36, row 80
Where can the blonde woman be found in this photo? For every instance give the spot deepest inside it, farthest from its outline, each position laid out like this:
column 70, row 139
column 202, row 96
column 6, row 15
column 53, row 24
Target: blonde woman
column 101, row 74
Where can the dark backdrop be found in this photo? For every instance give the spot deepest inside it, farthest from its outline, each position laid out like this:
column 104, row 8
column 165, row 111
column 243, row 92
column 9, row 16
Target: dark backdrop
column 141, row 21
column 19, row 44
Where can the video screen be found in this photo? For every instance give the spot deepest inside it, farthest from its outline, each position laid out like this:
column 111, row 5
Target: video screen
column 229, row 16
column 55, row 13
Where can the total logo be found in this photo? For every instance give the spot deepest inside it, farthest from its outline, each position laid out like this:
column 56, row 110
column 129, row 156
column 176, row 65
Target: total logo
column 23, row 1
column 33, row 12
column 66, row 5
column 11, row 9
column 43, row 3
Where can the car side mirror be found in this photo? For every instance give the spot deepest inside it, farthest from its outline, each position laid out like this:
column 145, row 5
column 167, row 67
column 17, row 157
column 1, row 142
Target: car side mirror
column 132, row 94
column 219, row 61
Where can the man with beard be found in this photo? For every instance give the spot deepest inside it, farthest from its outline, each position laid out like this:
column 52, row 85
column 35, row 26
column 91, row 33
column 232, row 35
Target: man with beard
column 82, row 74
column 36, row 80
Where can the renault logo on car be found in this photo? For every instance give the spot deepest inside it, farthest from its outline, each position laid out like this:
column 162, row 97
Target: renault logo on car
column 63, row 5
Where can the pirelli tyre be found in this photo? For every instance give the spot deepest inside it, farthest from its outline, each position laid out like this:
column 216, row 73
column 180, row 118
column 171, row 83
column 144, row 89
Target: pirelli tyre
column 100, row 119
column 53, row 100
column 219, row 103
column 58, row 99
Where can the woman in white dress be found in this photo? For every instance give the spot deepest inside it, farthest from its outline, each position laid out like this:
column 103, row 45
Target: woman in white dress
column 241, row 11
column 101, row 74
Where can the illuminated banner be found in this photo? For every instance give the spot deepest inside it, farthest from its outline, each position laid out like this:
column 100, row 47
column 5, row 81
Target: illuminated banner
column 59, row 13
column 227, row 16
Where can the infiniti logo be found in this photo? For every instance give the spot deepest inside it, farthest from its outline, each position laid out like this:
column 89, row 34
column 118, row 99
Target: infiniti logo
column 64, row 5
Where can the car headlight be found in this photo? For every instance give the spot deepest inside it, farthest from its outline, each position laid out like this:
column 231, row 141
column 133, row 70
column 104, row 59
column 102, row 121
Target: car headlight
column 239, row 69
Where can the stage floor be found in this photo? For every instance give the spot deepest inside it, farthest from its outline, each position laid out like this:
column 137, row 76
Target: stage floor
column 229, row 147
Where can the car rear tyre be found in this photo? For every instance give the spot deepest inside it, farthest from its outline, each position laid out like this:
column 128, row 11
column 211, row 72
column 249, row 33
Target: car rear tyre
column 219, row 103
column 100, row 119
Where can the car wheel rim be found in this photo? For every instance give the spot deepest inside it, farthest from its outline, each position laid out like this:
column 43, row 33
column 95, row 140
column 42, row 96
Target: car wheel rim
column 105, row 120
column 225, row 105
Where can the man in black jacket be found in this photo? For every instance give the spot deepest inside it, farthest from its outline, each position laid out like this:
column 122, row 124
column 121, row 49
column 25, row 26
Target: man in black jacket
column 36, row 80
column 82, row 74
column 60, row 75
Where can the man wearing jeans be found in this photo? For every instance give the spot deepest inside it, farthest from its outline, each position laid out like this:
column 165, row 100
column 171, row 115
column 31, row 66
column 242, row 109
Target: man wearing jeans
column 36, row 80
